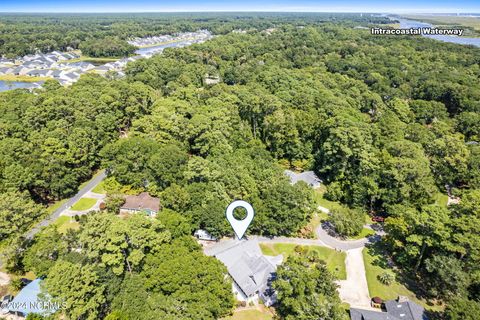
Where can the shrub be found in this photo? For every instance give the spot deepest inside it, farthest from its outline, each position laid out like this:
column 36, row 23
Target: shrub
column 334, row 192
column 16, row 284
column 386, row 278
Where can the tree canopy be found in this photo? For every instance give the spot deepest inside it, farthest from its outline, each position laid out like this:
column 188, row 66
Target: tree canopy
column 389, row 124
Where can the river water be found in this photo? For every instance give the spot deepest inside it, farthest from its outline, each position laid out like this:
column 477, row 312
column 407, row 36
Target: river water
column 159, row 48
column 10, row 85
column 406, row 24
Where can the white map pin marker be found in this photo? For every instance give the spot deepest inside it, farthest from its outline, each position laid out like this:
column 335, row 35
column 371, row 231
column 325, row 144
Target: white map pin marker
column 240, row 226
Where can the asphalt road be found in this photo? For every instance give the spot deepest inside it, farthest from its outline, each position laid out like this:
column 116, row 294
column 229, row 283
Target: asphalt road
column 324, row 240
column 338, row 244
column 70, row 202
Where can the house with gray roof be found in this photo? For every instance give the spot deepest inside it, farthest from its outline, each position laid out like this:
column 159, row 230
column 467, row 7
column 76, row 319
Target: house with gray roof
column 49, row 58
column 70, row 76
column 31, row 64
column 5, row 61
column 102, row 69
column 251, row 271
column 399, row 309
column 38, row 73
column 21, row 70
column 82, row 65
column 5, row 70
column 309, row 177
column 55, row 73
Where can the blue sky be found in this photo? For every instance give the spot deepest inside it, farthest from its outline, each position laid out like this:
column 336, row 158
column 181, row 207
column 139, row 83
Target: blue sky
column 472, row 6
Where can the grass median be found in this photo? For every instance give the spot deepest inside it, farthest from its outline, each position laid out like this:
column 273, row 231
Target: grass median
column 84, row 204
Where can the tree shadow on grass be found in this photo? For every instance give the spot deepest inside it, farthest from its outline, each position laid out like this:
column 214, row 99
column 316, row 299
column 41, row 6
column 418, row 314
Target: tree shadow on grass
column 380, row 255
column 383, row 259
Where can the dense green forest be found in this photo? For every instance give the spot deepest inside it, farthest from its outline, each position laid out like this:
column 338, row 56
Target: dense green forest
column 387, row 122
column 106, row 47
column 306, row 289
column 133, row 268
column 22, row 34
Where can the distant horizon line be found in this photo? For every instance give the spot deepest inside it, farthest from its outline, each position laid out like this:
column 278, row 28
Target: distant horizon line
column 247, row 11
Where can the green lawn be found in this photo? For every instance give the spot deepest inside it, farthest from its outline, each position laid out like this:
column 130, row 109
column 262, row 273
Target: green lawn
column 100, row 188
column 84, row 204
column 250, row 314
column 309, row 230
column 368, row 219
column 375, row 265
column 92, row 60
column 335, row 260
column 330, row 205
column 321, row 201
column 11, row 77
column 441, row 199
column 319, row 215
column 64, row 223
column 363, row 234
column 57, row 204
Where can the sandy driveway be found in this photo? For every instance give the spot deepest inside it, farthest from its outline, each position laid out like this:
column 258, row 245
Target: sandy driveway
column 354, row 290
column 4, row 279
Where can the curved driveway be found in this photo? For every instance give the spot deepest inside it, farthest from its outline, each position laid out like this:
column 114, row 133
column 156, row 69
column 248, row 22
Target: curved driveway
column 324, row 239
column 338, row 244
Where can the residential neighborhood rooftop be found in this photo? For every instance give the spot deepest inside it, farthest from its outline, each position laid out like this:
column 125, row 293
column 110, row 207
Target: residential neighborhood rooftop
column 48, row 64
column 28, row 301
column 394, row 310
column 309, row 177
column 247, row 266
column 143, row 201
